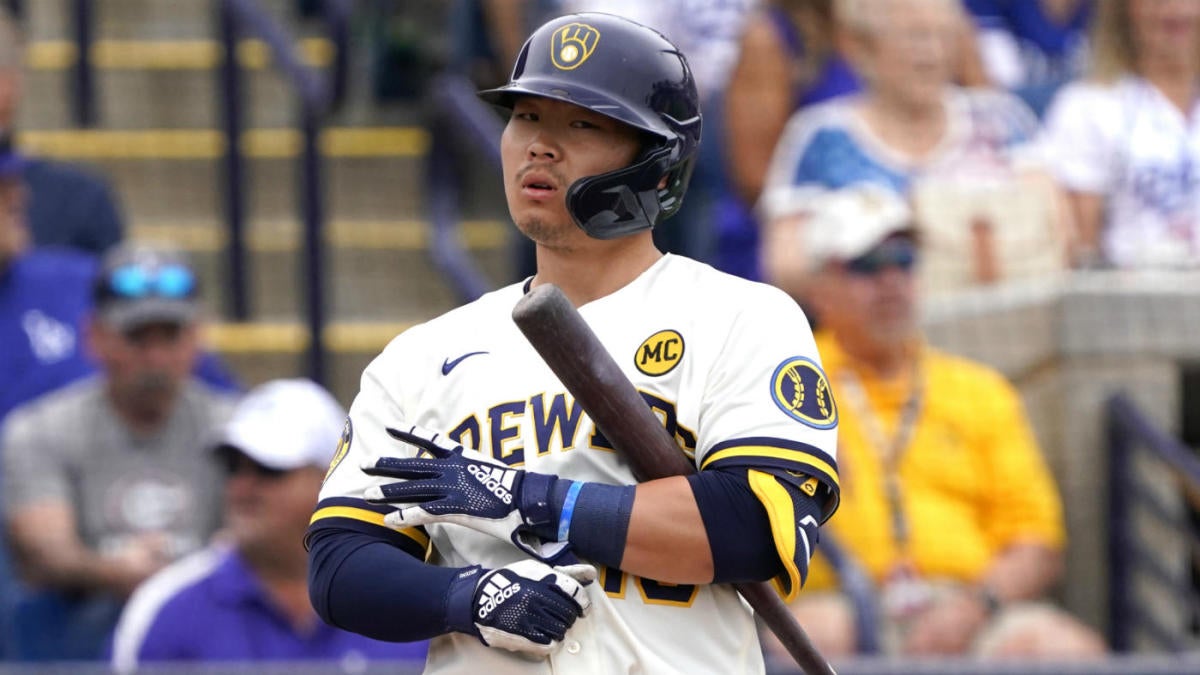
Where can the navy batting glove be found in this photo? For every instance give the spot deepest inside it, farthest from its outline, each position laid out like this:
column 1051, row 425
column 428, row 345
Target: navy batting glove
column 524, row 607
column 463, row 487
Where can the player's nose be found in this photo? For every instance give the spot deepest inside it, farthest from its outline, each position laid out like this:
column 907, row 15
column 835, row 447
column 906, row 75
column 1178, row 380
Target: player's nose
column 543, row 148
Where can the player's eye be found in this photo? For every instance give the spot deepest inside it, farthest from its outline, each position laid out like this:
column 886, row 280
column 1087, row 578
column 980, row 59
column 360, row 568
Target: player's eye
column 584, row 124
column 526, row 116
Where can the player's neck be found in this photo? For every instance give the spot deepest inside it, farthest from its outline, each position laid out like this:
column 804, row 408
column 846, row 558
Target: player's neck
column 589, row 274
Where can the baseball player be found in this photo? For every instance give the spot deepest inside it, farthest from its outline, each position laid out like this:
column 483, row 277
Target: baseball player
column 471, row 500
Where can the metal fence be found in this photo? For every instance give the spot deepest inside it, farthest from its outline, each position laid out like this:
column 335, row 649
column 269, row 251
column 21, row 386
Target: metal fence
column 1143, row 506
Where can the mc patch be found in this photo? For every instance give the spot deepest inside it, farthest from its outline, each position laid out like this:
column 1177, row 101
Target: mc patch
column 659, row 353
column 802, row 391
column 343, row 448
column 572, row 45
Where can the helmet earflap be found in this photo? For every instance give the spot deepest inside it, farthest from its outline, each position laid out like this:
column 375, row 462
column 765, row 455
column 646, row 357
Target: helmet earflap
column 629, row 200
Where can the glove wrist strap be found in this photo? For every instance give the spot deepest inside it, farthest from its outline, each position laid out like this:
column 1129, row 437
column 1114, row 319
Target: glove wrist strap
column 542, row 498
column 460, row 601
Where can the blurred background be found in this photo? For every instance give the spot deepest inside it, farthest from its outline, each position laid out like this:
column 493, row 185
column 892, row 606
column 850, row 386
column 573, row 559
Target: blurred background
column 327, row 170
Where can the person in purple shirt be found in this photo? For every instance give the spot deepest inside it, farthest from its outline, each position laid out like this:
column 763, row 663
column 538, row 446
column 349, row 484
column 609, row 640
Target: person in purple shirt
column 246, row 598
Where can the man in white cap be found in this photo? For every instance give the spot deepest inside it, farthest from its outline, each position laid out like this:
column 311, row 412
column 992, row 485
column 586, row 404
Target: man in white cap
column 249, row 590
column 946, row 501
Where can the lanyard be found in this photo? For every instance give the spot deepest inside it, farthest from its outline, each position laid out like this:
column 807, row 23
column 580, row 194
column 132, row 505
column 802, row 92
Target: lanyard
column 890, row 450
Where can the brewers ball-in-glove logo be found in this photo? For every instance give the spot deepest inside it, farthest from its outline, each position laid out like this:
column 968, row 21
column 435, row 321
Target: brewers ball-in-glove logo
column 572, row 45
column 802, row 391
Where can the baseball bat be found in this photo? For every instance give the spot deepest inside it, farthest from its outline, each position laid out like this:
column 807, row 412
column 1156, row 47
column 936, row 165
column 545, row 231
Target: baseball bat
column 565, row 342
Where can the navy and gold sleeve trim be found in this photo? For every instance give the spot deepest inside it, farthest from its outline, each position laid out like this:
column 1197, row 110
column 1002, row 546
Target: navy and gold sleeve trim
column 361, row 516
column 776, row 453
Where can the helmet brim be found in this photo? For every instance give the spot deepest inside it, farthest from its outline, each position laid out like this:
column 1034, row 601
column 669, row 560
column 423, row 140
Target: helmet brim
column 582, row 96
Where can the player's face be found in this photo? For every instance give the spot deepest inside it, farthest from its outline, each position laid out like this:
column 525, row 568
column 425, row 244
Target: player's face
column 548, row 145
column 1169, row 29
column 908, row 53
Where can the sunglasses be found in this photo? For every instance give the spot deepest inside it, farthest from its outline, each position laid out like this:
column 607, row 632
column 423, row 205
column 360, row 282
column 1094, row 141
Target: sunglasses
column 173, row 282
column 234, row 463
column 898, row 253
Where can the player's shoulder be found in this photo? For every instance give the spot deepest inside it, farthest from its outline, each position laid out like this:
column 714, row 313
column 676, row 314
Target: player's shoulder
column 713, row 292
column 492, row 306
column 420, row 341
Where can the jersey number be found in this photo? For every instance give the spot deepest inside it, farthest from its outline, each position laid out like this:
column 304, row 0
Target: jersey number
column 653, row 592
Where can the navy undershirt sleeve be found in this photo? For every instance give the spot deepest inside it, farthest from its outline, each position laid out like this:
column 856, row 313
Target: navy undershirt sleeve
column 365, row 585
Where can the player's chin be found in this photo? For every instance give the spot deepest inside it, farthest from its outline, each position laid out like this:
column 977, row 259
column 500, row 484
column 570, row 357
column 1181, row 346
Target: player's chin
column 547, row 230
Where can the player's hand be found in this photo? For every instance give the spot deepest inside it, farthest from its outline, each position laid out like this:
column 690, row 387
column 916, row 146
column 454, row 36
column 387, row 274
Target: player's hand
column 465, row 488
column 524, row 607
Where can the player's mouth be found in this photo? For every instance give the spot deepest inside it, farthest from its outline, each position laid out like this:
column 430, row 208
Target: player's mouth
column 538, row 185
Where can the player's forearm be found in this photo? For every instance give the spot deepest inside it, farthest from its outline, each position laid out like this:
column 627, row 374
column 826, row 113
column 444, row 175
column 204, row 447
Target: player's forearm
column 363, row 585
column 1024, row 571
column 666, row 539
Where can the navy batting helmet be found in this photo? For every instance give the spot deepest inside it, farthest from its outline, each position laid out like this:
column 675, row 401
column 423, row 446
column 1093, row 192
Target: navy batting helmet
column 624, row 70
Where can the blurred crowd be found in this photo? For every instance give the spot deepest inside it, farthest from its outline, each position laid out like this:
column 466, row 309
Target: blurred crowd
column 859, row 154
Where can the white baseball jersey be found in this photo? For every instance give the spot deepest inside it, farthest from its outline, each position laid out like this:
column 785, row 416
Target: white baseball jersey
column 728, row 365
column 1129, row 143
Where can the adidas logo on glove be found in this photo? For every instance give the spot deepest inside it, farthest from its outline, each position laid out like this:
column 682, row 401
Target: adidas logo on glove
column 495, row 592
column 497, row 480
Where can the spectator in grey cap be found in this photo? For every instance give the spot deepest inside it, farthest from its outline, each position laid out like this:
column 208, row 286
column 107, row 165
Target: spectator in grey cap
column 110, row 478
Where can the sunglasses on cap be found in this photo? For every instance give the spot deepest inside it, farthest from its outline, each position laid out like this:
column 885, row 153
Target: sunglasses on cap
column 899, row 253
column 174, row 282
column 235, row 462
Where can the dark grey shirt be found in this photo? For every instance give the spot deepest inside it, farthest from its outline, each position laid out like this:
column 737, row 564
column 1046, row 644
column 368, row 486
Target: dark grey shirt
column 71, row 446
